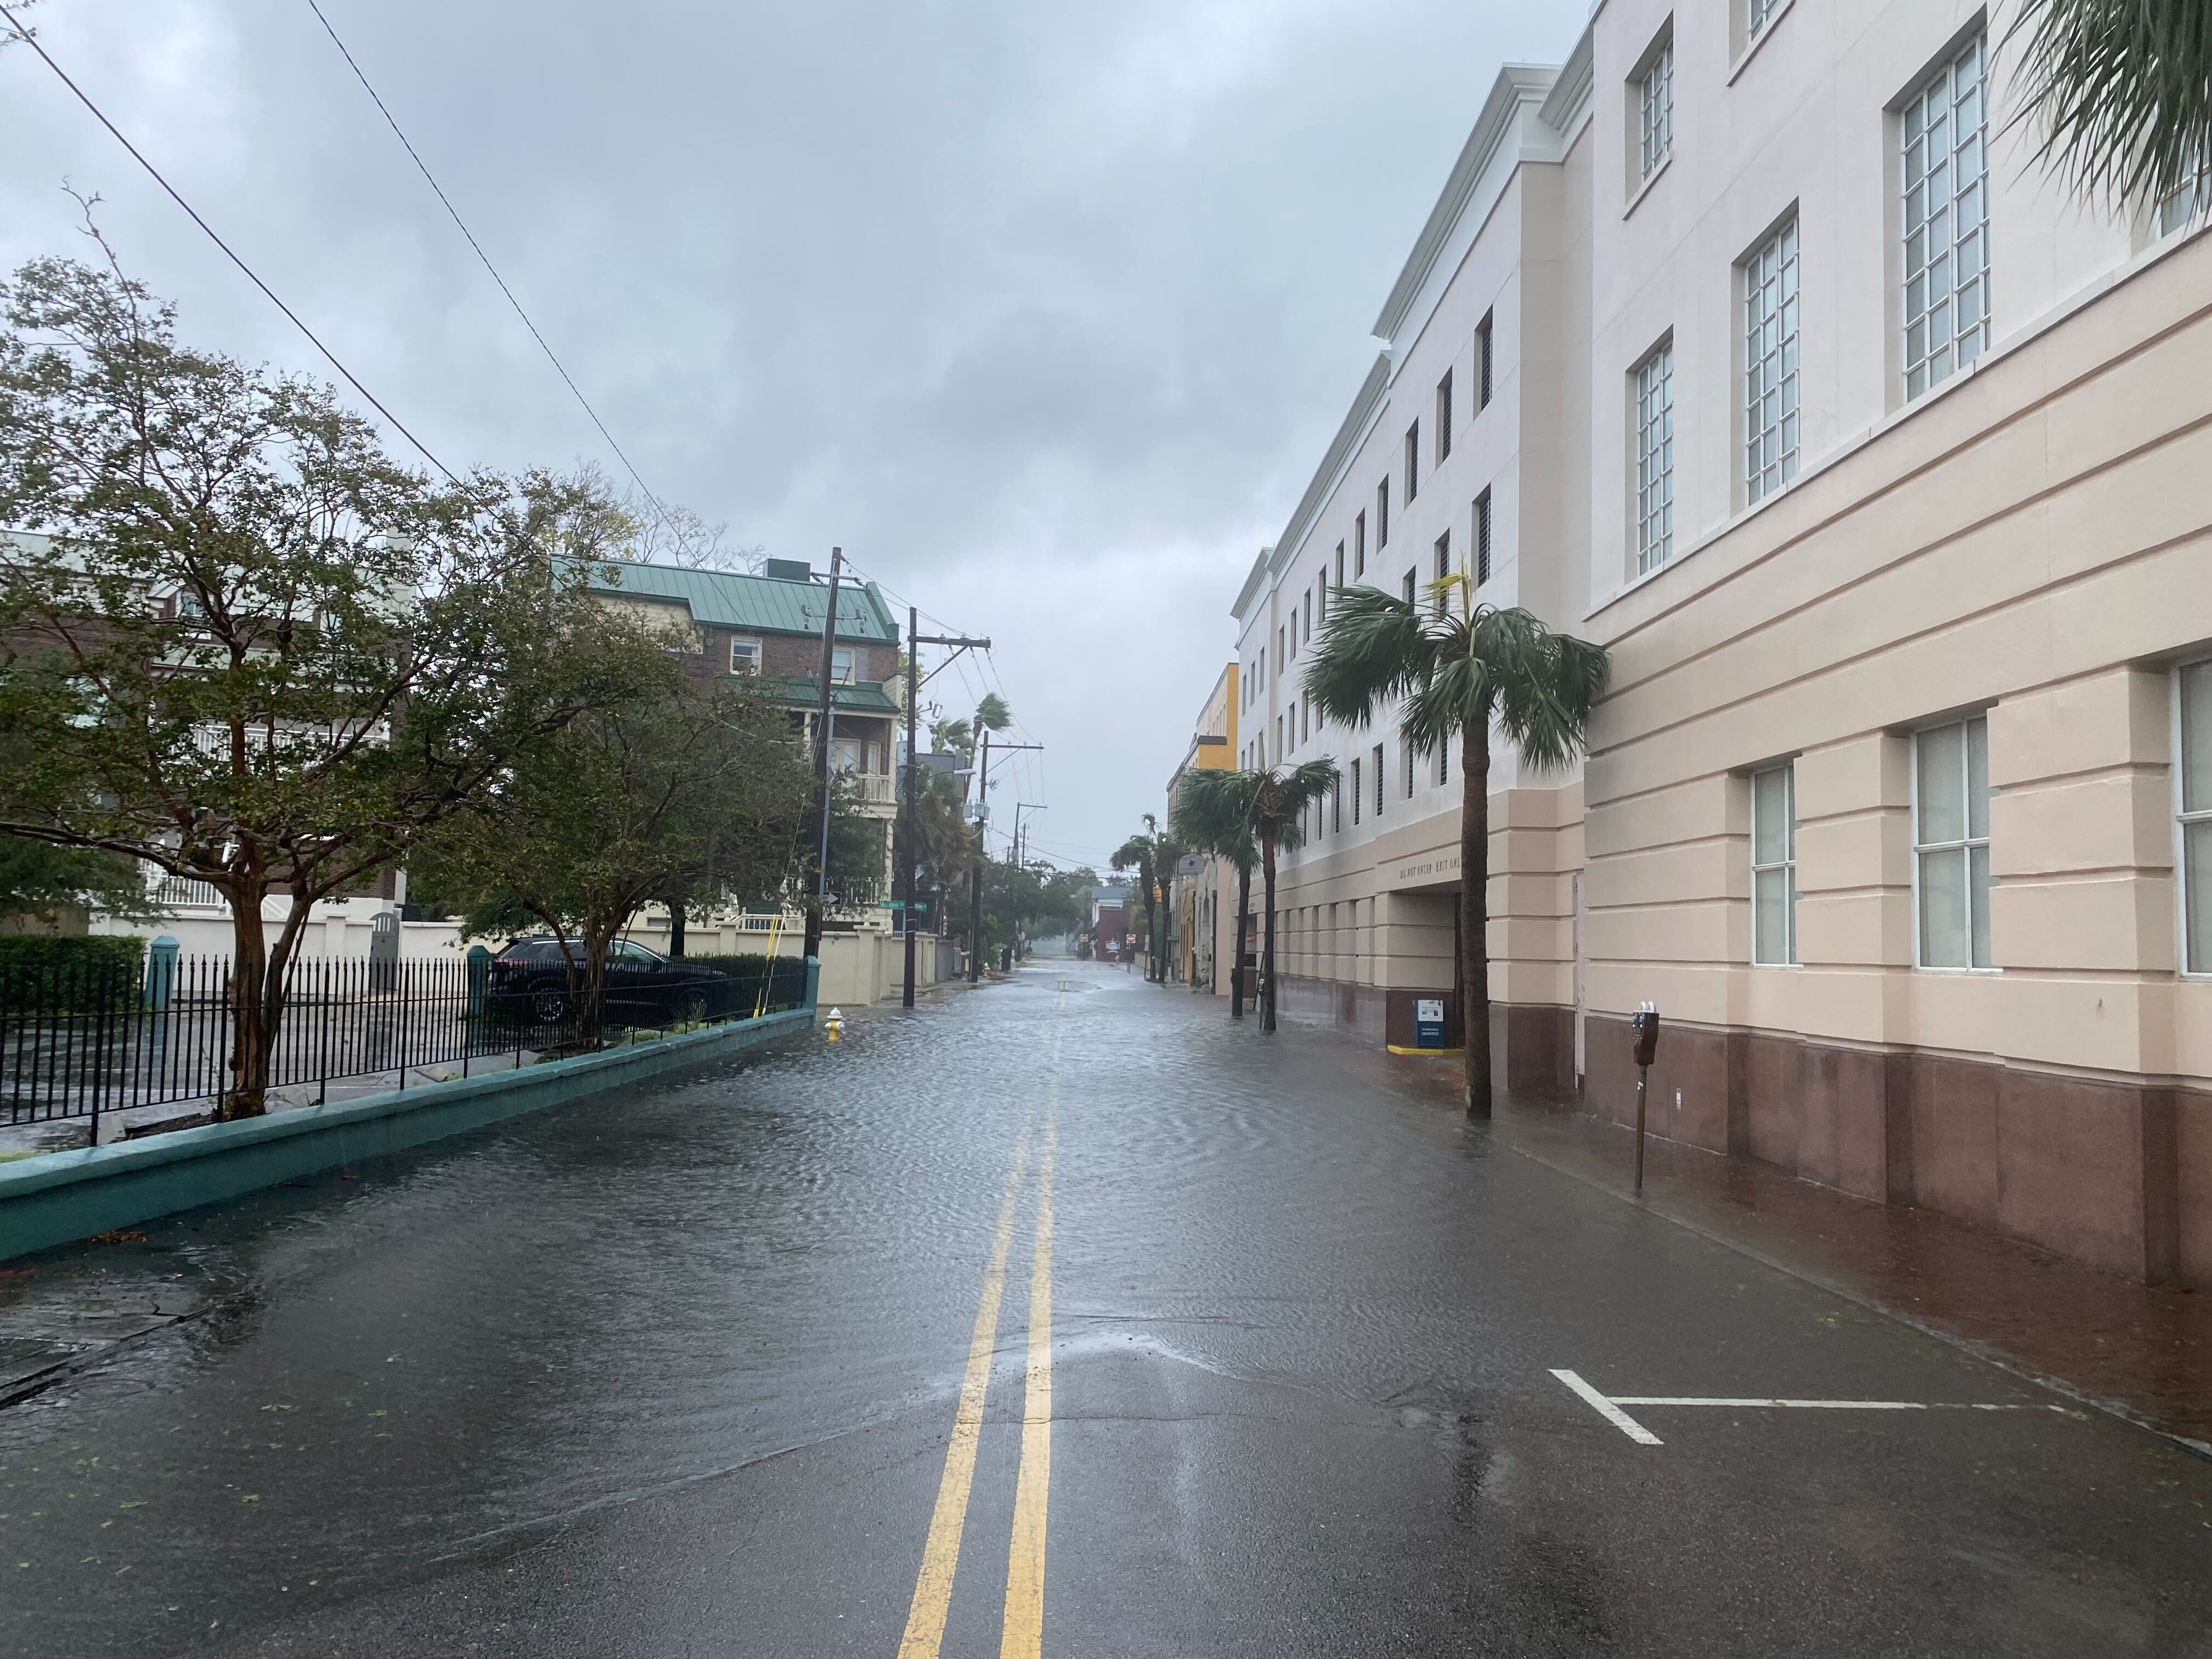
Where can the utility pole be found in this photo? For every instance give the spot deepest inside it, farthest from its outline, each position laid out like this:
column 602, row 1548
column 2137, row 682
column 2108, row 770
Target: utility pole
column 982, row 855
column 824, row 718
column 915, row 641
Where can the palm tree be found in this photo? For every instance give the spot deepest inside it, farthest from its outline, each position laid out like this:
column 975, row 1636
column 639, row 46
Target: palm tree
column 1459, row 665
column 1212, row 814
column 2122, row 90
column 1279, row 799
column 1152, row 852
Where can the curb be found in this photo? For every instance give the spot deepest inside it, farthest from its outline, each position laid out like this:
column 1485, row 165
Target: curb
column 60, row 1197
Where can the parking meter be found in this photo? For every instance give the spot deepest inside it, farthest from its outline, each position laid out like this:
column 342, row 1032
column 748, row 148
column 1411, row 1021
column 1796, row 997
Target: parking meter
column 1646, row 1028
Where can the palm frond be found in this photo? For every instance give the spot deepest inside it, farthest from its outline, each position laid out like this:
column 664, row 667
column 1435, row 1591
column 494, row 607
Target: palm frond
column 1213, row 814
column 1547, row 684
column 1374, row 649
column 1280, row 800
column 2121, row 91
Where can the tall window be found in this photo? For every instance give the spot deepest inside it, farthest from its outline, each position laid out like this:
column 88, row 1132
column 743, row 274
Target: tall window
column 1360, row 545
column 1443, row 565
column 841, row 665
column 1412, row 461
column 1770, row 362
column 1655, row 101
column 1944, row 145
column 1951, row 842
column 1291, row 714
column 1378, row 758
column 1383, row 514
column 1356, row 792
column 1305, row 614
column 1306, row 722
column 1412, row 579
column 1774, row 866
column 1482, row 539
column 1340, row 570
column 1444, row 417
column 1655, row 459
column 1336, row 803
column 1482, row 332
column 2193, row 691
column 1757, row 15
column 1443, row 764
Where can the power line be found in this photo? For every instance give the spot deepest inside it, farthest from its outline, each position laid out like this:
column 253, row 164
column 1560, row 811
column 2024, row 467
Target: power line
column 423, row 168
column 352, row 380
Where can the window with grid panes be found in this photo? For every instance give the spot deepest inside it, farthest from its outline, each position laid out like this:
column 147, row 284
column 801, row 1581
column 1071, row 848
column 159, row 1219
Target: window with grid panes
column 1943, row 148
column 1757, row 15
column 1655, row 101
column 1951, row 842
column 1770, row 358
column 1482, row 539
column 2193, row 792
column 1655, row 459
column 1774, row 866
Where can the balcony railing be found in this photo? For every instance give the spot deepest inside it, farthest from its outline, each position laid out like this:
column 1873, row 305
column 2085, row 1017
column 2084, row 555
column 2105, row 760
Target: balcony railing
column 177, row 892
column 877, row 789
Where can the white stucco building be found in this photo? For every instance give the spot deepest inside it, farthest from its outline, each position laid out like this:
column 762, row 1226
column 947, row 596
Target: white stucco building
column 1749, row 344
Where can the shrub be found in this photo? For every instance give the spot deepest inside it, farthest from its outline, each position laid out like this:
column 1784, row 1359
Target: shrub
column 77, row 973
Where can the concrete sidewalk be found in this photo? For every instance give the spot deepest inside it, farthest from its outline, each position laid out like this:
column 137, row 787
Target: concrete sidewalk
column 2140, row 1350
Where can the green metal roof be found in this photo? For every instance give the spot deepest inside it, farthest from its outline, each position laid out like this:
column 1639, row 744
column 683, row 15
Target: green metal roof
column 864, row 697
column 766, row 604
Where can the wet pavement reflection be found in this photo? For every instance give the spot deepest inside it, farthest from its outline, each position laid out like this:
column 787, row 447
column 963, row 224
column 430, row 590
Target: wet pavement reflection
column 674, row 1371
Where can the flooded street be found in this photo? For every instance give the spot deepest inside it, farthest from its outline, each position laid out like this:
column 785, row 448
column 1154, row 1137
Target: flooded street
column 677, row 1371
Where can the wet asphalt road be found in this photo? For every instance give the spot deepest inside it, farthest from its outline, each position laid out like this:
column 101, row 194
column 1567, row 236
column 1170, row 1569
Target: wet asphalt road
column 675, row 1373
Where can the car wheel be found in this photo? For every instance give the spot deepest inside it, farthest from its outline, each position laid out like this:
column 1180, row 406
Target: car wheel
column 549, row 1007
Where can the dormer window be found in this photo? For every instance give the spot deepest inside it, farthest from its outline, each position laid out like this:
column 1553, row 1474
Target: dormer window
column 744, row 656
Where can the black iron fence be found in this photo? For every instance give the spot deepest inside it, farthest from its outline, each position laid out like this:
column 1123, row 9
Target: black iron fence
column 77, row 1040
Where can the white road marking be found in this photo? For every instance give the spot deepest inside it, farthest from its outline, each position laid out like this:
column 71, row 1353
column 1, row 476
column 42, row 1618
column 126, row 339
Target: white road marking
column 1829, row 1405
column 1612, row 1413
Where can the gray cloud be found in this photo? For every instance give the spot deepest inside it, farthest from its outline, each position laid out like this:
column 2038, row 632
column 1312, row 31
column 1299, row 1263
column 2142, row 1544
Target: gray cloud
column 1043, row 312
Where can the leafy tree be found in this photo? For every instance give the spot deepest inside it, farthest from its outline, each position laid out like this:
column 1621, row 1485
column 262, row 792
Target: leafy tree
column 39, row 878
column 1150, row 855
column 1212, row 814
column 1460, row 666
column 1281, row 797
column 2122, row 91
column 250, row 647
column 679, row 787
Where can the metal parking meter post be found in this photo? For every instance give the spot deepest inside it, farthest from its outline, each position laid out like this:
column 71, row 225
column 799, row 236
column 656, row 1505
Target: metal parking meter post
column 1646, row 1025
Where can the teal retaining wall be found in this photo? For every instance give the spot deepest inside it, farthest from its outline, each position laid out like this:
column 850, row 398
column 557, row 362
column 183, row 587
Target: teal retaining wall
column 61, row 1196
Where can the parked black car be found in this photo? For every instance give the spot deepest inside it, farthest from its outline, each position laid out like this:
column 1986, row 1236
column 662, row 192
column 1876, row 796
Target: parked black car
column 530, row 980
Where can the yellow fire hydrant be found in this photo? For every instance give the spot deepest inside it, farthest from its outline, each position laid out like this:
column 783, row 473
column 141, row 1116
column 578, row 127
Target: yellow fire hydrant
column 834, row 1025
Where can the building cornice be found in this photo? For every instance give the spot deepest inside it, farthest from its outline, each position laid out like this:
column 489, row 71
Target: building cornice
column 1517, row 86
column 1365, row 405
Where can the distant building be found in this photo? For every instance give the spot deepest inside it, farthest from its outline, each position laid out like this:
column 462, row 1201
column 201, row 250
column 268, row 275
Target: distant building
column 1202, row 925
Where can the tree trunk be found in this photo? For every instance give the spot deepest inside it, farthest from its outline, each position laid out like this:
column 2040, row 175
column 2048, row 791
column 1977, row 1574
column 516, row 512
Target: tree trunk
column 1151, row 925
column 1267, row 933
column 252, row 1031
column 1243, row 928
column 591, row 1006
column 1474, row 911
column 676, row 931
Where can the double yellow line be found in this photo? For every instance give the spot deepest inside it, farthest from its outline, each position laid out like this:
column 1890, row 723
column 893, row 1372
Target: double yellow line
column 1022, row 1632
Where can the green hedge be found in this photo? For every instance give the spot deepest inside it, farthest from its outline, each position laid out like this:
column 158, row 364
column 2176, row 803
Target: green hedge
column 69, row 974
column 746, row 973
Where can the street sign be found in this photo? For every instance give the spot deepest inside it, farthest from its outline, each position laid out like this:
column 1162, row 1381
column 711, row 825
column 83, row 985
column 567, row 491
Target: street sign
column 1191, row 863
column 1428, row 1022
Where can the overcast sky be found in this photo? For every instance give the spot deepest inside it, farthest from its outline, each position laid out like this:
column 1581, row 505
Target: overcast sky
column 1044, row 311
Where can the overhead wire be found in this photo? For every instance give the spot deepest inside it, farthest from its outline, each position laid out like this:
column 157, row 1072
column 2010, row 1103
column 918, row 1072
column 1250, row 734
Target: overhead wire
column 28, row 39
column 428, row 178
